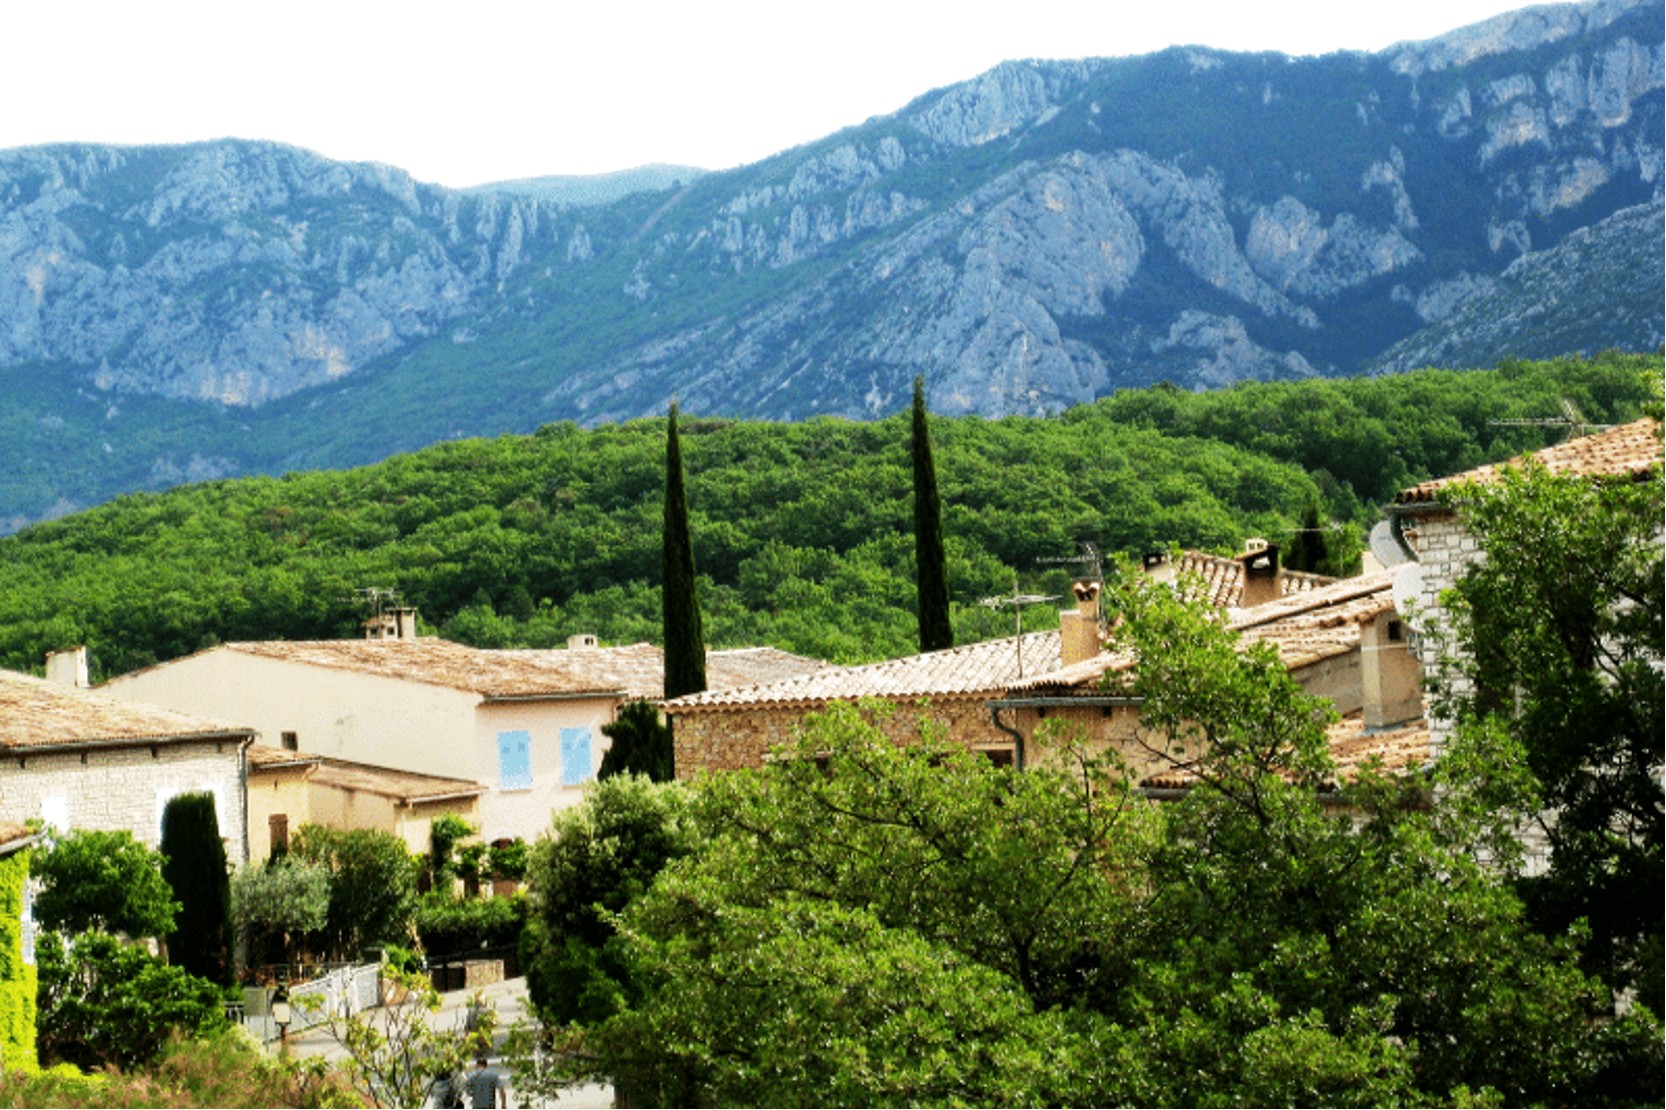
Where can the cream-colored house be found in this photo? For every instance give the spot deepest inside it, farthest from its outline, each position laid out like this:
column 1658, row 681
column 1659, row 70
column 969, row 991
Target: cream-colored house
column 525, row 726
column 77, row 760
column 290, row 789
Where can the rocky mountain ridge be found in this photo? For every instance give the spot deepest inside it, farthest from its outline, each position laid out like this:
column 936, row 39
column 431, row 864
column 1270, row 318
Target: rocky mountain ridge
column 1027, row 240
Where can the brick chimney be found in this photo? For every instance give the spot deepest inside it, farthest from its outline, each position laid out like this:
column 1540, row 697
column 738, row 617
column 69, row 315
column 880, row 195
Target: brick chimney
column 1079, row 627
column 1391, row 678
column 1261, row 578
column 68, row 668
column 1159, row 567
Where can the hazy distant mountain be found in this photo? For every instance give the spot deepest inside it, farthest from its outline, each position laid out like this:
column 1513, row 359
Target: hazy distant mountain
column 1027, row 240
column 602, row 188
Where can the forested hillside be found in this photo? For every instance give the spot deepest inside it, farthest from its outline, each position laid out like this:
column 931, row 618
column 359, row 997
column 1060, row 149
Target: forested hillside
column 802, row 531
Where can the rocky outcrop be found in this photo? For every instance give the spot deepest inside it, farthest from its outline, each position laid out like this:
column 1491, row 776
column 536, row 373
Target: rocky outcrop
column 1027, row 240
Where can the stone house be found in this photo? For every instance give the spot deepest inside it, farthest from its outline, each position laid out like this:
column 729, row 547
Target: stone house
column 1438, row 545
column 77, row 760
column 1342, row 640
column 523, row 726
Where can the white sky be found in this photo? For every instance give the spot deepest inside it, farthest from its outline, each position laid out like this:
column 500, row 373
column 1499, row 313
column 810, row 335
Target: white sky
column 490, row 90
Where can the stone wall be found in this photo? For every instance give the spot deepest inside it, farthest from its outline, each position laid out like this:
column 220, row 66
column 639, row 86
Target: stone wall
column 127, row 788
column 1444, row 548
column 744, row 737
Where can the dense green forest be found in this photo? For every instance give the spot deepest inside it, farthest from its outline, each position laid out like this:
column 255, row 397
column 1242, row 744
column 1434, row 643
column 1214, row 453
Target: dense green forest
column 803, row 532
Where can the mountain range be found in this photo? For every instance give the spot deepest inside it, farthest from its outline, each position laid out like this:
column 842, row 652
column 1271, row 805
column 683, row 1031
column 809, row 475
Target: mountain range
column 1028, row 240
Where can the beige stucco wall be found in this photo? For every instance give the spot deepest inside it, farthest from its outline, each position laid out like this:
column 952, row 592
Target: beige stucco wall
column 127, row 788
column 280, row 791
column 346, row 714
column 526, row 813
column 384, row 722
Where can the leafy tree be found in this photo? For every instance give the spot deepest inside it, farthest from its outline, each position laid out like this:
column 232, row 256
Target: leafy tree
column 373, row 881
column 1561, row 627
column 596, row 860
column 194, row 865
column 685, row 641
column 273, row 902
column 398, row 1056
column 105, row 1002
column 104, row 881
column 641, row 744
column 931, row 565
column 446, row 926
column 1307, row 550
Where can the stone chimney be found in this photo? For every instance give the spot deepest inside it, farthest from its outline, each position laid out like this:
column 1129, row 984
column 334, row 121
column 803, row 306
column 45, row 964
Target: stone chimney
column 1261, row 578
column 1159, row 567
column 1079, row 627
column 1391, row 679
column 392, row 624
column 581, row 640
column 68, row 668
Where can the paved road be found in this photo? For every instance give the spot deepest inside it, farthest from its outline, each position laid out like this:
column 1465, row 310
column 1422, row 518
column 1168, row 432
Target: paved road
column 509, row 999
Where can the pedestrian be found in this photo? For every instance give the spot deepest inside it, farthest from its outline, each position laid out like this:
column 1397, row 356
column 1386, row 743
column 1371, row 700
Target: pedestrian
column 484, row 1090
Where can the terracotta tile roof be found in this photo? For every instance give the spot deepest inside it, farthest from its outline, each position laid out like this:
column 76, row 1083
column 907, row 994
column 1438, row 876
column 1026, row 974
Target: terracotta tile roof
column 35, row 713
column 971, row 671
column 406, row 787
column 1629, row 449
column 1305, row 627
column 1219, row 579
column 1399, row 748
column 632, row 671
column 15, row 837
column 264, row 757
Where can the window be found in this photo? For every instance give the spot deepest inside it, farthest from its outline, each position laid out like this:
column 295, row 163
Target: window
column 514, row 760
column 575, row 757
column 277, row 827
column 290, row 742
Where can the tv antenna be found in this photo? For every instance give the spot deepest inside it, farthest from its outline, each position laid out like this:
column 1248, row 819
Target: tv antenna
column 375, row 598
column 1018, row 601
column 1087, row 556
column 1571, row 419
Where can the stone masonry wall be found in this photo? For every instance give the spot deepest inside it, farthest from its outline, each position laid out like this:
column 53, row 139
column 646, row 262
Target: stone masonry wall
column 127, row 788
column 1444, row 548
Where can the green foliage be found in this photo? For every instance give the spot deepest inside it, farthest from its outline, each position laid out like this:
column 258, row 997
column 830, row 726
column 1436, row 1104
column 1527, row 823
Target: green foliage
column 223, row 1069
column 446, row 926
column 397, row 1055
column 373, row 886
column 683, row 637
column 570, row 520
column 640, row 744
column 105, row 1002
column 930, row 569
column 508, row 858
column 271, row 902
column 1562, row 632
column 597, row 859
column 444, row 833
column 105, row 881
column 862, row 923
column 194, row 865
column 17, row 979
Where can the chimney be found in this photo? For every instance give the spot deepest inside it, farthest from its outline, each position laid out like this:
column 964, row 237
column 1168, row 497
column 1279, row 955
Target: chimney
column 1261, row 578
column 1159, row 567
column 1391, row 678
column 581, row 640
column 393, row 624
column 1079, row 628
column 68, row 668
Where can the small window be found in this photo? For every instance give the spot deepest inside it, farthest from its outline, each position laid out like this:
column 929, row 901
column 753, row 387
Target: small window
column 576, row 768
column 277, row 827
column 1395, row 632
column 290, row 742
column 514, row 760
column 999, row 757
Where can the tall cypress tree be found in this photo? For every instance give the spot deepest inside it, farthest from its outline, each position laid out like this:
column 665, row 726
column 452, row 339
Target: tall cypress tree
column 685, row 642
column 195, row 867
column 931, row 570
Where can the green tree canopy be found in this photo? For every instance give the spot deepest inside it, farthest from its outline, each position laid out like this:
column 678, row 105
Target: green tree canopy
column 104, row 881
column 373, row 886
column 1561, row 628
column 194, row 865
